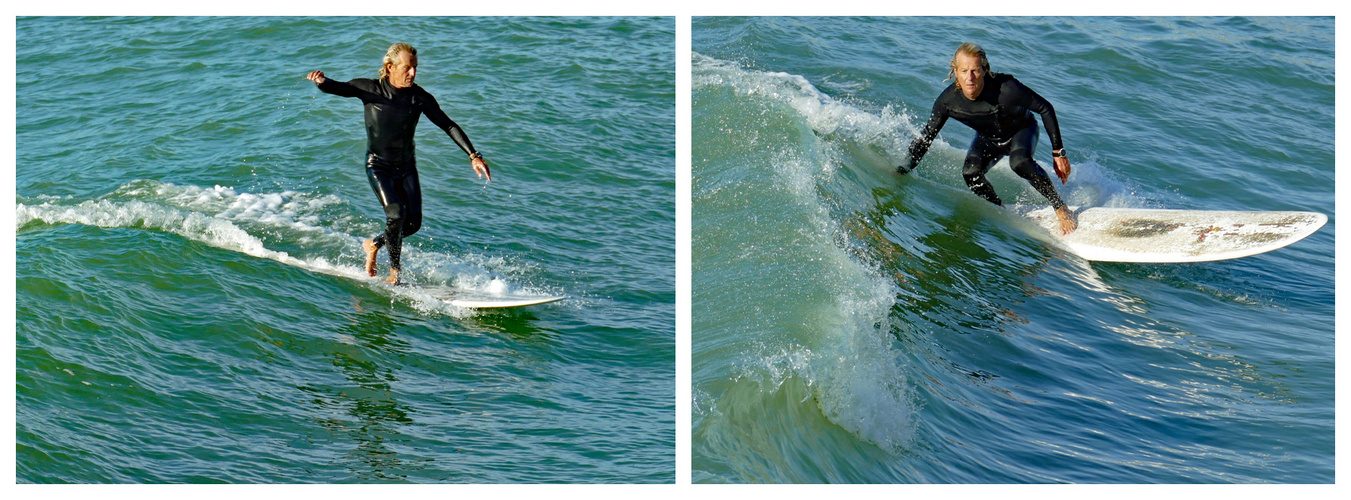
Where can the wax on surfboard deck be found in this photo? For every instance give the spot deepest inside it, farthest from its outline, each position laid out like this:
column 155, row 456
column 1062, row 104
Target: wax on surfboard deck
column 1169, row 236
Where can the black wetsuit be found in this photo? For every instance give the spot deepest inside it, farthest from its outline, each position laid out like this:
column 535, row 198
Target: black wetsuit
column 391, row 117
column 1004, row 125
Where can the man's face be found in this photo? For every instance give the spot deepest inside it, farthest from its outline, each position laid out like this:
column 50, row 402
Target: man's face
column 970, row 76
column 403, row 70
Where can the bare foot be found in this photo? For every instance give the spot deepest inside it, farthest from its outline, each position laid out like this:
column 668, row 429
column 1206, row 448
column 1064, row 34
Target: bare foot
column 1067, row 224
column 393, row 276
column 371, row 252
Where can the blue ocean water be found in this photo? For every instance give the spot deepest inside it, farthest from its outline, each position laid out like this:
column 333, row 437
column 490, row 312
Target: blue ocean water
column 190, row 303
column 852, row 325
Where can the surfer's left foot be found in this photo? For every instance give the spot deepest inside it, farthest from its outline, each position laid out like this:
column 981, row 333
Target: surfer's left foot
column 371, row 252
column 1067, row 224
column 393, row 277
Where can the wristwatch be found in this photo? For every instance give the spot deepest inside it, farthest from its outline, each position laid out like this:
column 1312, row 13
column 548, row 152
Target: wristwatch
column 1058, row 153
column 476, row 155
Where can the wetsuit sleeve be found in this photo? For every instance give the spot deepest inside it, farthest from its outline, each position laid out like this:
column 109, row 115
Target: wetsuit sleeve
column 1033, row 101
column 921, row 144
column 443, row 122
column 344, row 89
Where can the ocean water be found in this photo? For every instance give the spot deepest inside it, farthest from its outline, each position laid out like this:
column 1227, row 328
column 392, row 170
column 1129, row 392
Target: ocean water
column 852, row 325
column 190, row 304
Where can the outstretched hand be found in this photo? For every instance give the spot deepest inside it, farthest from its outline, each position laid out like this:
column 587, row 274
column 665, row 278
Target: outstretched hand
column 316, row 77
column 481, row 168
column 1062, row 169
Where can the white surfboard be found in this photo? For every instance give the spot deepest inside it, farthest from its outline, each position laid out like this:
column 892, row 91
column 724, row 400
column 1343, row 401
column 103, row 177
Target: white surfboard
column 1168, row 236
column 484, row 300
column 500, row 301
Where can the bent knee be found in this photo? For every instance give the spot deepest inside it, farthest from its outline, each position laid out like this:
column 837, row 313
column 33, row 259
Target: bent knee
column 394, row 212
column 1026, row 168
column 974, row 165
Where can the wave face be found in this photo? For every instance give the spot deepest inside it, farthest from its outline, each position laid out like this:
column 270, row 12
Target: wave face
column 852, row 325
column 191, row 305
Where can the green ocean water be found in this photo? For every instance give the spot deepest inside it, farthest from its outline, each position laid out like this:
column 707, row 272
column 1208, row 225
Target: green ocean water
column 854, row 326
column 190, row 306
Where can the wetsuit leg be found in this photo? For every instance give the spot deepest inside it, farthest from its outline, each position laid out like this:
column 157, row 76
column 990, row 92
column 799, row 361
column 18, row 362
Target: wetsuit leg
column 401, row 195
column 1022, row 146
column 403, row 218
column 979, row 159
column 411, row 194
column 386, row 182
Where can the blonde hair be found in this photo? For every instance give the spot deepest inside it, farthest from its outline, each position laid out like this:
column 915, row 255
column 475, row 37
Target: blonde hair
column 970, row 49
column 392, row 54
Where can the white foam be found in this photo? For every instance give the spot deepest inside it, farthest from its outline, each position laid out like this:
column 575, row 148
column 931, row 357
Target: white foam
column 881, row 402
column 889, row 131
column 212, row 216
column 287, row 209
column 216, row 232
column 851, row 363
column 470, row 272
column 825, row 115
column 213, row 231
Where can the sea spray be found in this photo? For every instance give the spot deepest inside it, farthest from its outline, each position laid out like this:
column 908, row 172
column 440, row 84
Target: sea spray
column 844, row 352
column 220, row 216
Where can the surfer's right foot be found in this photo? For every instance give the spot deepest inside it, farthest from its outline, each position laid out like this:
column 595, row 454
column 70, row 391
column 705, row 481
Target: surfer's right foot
column 371, row 252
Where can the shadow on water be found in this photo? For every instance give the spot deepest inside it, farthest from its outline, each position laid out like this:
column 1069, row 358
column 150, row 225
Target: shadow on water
column 365, row 414
column 518, row 324
column 372, row 413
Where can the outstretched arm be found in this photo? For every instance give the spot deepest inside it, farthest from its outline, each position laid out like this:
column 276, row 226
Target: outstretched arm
column 439, row 118
column 331, row 86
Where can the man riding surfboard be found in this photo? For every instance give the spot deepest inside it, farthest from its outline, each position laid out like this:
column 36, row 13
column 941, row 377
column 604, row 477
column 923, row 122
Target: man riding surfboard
column 393, row 104
column 999, row 108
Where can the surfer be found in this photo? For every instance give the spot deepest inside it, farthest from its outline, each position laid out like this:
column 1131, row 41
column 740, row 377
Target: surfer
column 393, row 104
column 999, row 108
